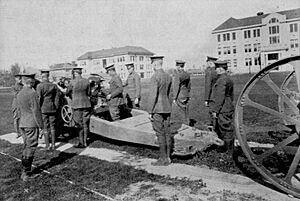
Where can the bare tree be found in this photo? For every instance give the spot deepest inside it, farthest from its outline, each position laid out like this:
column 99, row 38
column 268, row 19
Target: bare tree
column 15, row 69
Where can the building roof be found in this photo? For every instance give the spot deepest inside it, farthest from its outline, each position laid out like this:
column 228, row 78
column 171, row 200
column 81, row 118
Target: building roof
column 255, row 20
column 115, row 52
column 61, row 66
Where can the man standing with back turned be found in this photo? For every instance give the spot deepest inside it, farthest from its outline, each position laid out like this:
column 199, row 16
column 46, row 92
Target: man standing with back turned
column 16, row 113
column 49, row 99
column 79, row 91
column 181, row 96
column 160, row 104
column 221, row 106
column 30, row 122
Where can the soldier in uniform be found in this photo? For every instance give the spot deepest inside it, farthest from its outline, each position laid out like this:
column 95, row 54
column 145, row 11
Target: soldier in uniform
column 160, row 104
column 48, row 94
column 133, row 83
column 16, row 113
column 79, row 91
column 181, row 95
column 115, row 95
column 30, row 122
column 221, row 106
column 210, row 79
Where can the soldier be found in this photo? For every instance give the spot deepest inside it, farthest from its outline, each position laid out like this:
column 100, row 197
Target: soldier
column 210, row 79
column 16, row 113
column 221, row 106
column 181, row 96
column 133, row 83
column 79, row 91
column 30, row 122
column 160, row 103
column 115, row 94
column 48, row 94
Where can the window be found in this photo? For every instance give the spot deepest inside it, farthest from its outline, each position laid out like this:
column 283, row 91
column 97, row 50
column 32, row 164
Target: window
column 131, row 58
column 142, row 75
column 273, row 56
column 219, row 51
column 256, row 47
column 141, row 58
column 141, row 66
column 248, row 48
column 233, row 36
column 274, row 39
column 234, row 63
column 273, row 20
column 219, row 38
column 227, row 50
column 256, row 61
column 234, row 49
column 256, row 33
column 226, row 37
column 294, row 43
column 104, row 63
column 82, row 63
column 247, row 34
column 274, row 29
column 248, row 62
column 294, row 27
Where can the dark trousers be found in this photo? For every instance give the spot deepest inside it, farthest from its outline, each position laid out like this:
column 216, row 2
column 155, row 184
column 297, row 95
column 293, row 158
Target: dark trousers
column 179, row 116
column 30, row 138
column 130, row 103
column 81, row 117
column 161, row 126
column 225, row 126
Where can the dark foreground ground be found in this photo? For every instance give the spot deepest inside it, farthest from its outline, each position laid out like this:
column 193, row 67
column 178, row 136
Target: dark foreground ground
column 110, row 178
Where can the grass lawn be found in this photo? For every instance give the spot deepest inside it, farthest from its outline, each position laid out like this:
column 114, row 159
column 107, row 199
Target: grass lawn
column 104, row 177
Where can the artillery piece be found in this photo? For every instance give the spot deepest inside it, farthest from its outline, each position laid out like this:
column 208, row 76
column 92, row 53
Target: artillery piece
column 267, row 111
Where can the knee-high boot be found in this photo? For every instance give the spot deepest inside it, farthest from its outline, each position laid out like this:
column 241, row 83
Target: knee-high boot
column 53, row 139
column 85, row 134
column 170, row 146
column 229, row 146
column 162, row 161
column 26, row 168
column 46, row 138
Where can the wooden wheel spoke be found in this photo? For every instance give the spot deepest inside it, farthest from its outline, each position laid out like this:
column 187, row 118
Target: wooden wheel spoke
column 269, row 110
column 279, row 92
column 293, row 166
column 278, row 147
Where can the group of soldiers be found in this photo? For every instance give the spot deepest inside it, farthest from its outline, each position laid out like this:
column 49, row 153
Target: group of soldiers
column 35, row 108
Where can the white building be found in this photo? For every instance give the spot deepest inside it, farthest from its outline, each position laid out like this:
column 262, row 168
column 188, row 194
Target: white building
column 95, row 61
column 249, row 44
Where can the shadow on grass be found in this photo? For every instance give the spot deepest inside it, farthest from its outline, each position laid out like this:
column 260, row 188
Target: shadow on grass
column 60, row 159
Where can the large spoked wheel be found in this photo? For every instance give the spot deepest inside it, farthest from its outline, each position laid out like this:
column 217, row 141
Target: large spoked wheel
column 66, row 114
column 267, row 124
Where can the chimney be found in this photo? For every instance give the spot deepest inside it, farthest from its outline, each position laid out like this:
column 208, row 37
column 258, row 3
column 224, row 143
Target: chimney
column 260, row 13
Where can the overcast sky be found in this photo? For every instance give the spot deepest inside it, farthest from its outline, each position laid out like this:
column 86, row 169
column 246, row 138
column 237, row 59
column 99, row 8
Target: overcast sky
column 39, row 33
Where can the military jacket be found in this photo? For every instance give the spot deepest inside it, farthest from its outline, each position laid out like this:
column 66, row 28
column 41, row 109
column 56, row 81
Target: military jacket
column 210, row 79
column 116, row 91
column 79, row 91
column 30, row 111
column 160, row 96
column 16, row 89
column 48, row 94
column 222, row 95
column 133, row 83
column 181, row 86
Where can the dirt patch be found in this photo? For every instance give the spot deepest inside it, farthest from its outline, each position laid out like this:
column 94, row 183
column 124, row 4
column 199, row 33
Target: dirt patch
column 150, row 191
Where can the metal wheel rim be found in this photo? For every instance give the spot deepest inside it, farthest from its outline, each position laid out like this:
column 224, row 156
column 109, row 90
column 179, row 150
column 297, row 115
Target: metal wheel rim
column 241, row 133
